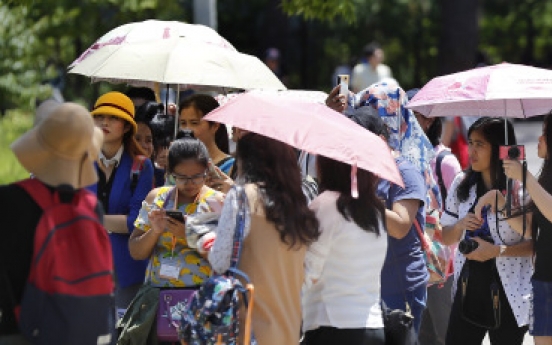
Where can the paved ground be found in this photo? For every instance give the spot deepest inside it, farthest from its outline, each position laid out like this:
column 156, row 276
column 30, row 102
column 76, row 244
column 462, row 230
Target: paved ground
column 527, row 133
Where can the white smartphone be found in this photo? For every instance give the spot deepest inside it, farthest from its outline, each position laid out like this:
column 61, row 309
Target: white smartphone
column 343, row 82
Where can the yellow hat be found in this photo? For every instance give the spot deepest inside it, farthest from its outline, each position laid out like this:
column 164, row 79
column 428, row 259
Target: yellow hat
column 116, row 104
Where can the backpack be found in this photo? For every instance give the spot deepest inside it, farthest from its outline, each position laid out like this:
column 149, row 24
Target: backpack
column 68, row 297
column 213, row 314
column 137, row 167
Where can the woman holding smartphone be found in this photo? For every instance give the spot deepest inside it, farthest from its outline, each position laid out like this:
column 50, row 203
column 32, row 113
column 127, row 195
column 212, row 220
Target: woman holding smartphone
column 159, row 233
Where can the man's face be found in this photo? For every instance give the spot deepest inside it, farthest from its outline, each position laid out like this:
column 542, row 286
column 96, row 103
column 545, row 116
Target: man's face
column 376, row 58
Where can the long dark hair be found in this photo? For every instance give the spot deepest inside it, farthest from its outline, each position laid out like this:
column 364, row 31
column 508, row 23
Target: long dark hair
column 272, row 166
column 187, row 147
column 205, row 104
column 545, row 173
column 492, row 130
column 368, row 209
column 435, row 131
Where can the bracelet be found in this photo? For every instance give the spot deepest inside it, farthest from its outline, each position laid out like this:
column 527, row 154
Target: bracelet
column 502, row 249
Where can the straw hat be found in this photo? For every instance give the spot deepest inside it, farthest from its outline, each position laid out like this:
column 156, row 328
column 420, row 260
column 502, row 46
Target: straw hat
column 62, row 148
column 44, row 109
column 116, row 104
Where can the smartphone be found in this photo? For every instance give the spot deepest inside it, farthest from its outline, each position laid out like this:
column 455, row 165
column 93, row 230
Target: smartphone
column 514, row 152
column 175, row 214
column 343, row 82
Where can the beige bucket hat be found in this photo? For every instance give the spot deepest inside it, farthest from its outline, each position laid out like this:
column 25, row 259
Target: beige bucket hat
column 62, row 147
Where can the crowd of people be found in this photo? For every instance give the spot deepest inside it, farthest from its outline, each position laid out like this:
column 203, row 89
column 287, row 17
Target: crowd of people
column 325, row 271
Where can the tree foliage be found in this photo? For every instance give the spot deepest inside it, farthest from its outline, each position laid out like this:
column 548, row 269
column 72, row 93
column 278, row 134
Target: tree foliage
column 40, row 38
column 321, row 9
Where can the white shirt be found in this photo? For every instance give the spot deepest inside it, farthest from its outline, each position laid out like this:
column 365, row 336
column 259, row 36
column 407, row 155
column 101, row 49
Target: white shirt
column 346, row 264
column 515, row 272
column 113, row 161
column 364, row 75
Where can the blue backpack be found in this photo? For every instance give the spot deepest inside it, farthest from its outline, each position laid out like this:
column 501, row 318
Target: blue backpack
column 213, row 314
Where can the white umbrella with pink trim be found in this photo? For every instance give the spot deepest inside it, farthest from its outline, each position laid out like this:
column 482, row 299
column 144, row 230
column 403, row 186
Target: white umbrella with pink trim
column 172, row 53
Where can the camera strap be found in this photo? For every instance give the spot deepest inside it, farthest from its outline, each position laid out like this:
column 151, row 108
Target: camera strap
column 523, row 209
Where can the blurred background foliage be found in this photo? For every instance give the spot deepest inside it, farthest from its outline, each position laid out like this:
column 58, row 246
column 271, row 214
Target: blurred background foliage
column 421, row 39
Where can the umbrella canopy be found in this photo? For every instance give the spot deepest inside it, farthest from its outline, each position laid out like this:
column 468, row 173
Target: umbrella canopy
column 503, row 90
column 181, row 61
column 309, row 126
column 301, row 95
column 154, row 30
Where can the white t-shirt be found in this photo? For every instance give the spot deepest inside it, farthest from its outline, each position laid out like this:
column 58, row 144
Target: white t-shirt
column 346, row 264
column 364, row 75
column 515, row 272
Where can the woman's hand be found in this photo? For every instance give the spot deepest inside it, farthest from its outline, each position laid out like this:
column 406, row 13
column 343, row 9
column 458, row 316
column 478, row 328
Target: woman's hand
column 176, row 228
column 222, row 184
column 336, row 101
column 158, row 221
column 470, row 222
column 484, row 251
column 513, row 169
column 489, row 199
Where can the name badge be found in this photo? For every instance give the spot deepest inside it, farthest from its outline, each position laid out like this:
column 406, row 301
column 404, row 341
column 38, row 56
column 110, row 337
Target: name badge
column 169, row 271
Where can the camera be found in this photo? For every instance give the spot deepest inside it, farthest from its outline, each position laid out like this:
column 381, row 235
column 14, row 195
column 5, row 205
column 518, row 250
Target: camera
column 468, row 244
column 343, row 82
column 514, row 152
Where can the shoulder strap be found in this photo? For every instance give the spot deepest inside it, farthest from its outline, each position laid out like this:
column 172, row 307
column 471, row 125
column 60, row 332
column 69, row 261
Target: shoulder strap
column 439, row 173
column 425, row 245
column 135, row 170
column 38, row 191
column 240, row 225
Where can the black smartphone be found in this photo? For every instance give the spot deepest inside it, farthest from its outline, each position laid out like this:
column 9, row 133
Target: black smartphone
column 175, row 214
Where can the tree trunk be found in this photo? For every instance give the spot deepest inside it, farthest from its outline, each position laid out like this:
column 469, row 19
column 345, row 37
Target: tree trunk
column 459, row 35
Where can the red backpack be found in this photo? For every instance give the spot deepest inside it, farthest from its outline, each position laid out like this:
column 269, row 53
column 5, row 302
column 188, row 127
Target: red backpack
column 68, row 297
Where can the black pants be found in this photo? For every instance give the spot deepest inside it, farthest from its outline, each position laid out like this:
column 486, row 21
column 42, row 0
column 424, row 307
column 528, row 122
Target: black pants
column 462, row 332
column 344, row 336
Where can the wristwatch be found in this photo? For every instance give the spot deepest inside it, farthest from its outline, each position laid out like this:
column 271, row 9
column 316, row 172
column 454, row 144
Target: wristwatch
column 502, row 249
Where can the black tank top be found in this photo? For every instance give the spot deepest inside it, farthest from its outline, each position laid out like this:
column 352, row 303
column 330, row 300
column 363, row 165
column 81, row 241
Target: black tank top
column 542, row 234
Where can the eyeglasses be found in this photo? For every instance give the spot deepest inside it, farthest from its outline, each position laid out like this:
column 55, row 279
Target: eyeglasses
column 195, row 180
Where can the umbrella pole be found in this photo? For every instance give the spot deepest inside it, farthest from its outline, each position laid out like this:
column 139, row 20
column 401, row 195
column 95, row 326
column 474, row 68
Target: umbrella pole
column 506, row 142
column 167, row 101
column 176, row 116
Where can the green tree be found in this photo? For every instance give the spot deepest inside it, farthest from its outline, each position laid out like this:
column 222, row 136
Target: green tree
column 321, row 9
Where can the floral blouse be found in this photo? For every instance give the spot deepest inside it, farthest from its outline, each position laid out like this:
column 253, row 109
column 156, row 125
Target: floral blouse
column 193, row 268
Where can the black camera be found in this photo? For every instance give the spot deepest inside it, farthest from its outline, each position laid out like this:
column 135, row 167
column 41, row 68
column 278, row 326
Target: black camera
column 468, row 244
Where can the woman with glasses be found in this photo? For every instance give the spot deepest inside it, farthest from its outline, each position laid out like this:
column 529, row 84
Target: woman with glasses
column 162, row 238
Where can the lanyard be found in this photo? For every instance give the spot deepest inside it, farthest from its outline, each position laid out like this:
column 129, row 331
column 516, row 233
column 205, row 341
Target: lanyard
column 173, row 237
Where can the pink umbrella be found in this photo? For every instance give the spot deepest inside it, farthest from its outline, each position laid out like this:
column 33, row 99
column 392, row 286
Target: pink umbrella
column 503, row 90
column 309, row 126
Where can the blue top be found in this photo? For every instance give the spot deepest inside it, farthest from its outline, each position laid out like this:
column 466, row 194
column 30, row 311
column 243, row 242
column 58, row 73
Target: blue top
column 226, row 165
column 123, row 201
column 409, row 270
